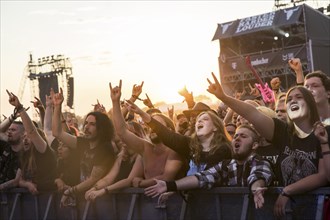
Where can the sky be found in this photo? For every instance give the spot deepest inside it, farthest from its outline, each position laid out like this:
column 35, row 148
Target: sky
column 166, row 44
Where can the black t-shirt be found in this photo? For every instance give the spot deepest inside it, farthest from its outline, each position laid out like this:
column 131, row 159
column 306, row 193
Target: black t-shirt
column 102, row 155
column 181, row 144
column 299, row 157
column 9, row 162
column 45, row 172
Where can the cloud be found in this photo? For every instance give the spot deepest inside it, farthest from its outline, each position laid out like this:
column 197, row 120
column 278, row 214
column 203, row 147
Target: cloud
column 51, row 12
column 86, row 9
column 83, row 58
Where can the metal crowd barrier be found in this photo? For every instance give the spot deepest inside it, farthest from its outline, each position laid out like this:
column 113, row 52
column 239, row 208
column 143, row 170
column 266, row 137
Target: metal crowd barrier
column 218, row 203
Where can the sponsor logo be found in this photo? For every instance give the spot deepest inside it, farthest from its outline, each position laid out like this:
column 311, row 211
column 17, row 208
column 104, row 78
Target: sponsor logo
column 261, row 61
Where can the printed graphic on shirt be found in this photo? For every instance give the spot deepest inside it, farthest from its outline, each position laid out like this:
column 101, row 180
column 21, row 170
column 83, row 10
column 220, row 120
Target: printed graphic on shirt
column 297, row 165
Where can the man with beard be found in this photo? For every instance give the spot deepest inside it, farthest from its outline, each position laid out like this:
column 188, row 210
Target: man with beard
column 95, row 150
column 9, row 150
column 245, row 169
column 158, row 160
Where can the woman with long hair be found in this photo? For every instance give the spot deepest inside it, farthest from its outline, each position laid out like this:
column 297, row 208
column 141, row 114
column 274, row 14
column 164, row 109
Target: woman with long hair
column 209, row 145
column 303, row 143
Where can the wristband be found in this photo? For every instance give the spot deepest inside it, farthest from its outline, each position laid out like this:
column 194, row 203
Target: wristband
column 171, row 186
column 325, row 152
column 19, row 108
column 325, row 143
column 136, row 97
column 287, row 195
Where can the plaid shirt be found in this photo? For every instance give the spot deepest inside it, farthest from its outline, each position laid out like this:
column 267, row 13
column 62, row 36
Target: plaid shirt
column 225, row 173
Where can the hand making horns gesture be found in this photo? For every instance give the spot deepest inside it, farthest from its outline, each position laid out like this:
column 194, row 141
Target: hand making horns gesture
column 215, row 88
column 115, row 93
column 137, row 90
column 58, row 98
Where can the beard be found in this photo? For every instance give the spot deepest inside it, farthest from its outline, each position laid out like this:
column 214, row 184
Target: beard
column 241, row 156
column 13, row 142
column 154, row 138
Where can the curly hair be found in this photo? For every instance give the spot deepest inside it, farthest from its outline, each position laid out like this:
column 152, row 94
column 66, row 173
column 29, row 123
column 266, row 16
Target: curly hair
column 221, row 138
column 104, row 126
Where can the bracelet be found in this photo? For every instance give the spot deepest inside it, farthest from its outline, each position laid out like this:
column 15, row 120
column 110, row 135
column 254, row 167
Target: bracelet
column 68, row 194
column 18, row 109
column 325, row 152
column 136, row 97
column 325, row 143
column 287, row 195
column 63, row 121
column 171, row 186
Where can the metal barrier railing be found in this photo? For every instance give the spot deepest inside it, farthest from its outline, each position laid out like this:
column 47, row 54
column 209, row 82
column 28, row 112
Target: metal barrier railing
column 131, row 203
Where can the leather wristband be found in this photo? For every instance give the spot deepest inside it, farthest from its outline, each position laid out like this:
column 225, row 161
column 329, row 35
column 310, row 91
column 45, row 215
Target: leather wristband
column 287, row 195
column 171, row 186
column 325, row 152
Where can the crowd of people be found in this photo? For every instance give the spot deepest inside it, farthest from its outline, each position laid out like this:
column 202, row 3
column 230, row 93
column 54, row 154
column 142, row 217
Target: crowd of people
column 244, row 143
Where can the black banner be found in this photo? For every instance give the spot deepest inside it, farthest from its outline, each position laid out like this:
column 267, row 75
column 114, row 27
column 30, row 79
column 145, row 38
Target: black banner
column 70, row 92
column 274, row 60
column 47, row 82
column 256, row 23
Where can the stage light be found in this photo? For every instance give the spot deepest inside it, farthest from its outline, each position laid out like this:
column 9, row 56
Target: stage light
column 276, row 38
column 286, row 34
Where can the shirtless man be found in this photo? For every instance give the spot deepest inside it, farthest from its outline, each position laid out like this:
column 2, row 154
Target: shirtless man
column 159, row 161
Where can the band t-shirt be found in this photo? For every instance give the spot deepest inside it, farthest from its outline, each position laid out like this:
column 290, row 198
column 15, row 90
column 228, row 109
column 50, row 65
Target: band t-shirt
column 102, row 155
column 298, row 157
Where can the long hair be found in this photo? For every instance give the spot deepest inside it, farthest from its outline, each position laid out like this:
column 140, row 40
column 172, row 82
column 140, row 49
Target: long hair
column 313, row 115
column 104, row 126
column 27, row 159
column 221, row 138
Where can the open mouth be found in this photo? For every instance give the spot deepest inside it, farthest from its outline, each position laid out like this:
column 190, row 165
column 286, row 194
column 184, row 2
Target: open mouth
column 294, row 107
column 200, row 127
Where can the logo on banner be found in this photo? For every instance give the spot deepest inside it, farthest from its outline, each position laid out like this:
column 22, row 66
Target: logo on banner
column 234, row 65
column 225, row 27
column 250, row 23
column 289, row 13
column 261, row 61
column 287, row 56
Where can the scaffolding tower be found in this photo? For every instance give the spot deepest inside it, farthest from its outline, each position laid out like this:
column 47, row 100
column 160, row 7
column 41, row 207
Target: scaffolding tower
column 49, row 72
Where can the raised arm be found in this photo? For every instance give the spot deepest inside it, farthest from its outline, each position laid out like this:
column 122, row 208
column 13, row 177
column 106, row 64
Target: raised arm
column 263, row 124
column 48, row 118
column 65, row 137
column 41, row 109
column 177, row 142
column 136, row 92
column 295, row 64
column 30, row 129
column 130, row 139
